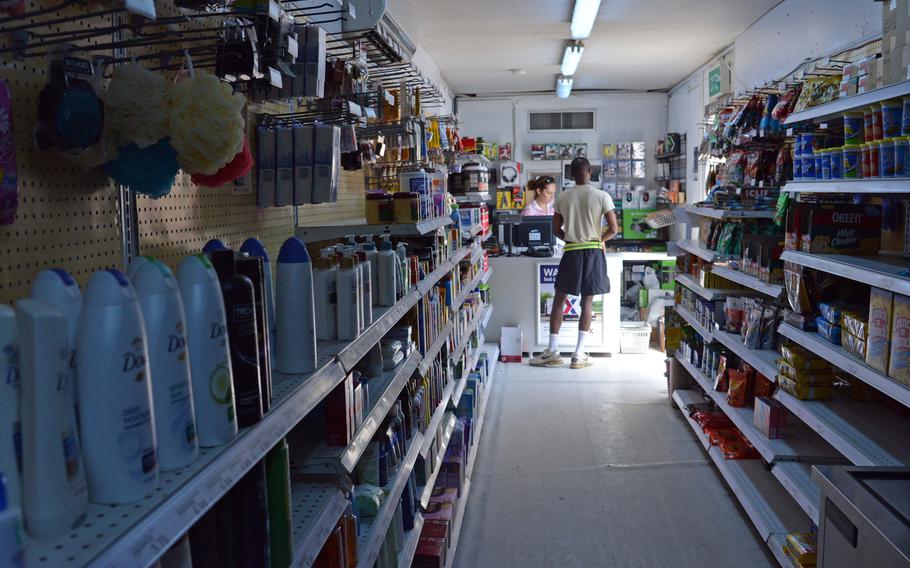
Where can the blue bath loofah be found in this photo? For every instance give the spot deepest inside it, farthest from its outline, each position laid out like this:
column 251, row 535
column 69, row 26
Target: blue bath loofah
column 150, row 171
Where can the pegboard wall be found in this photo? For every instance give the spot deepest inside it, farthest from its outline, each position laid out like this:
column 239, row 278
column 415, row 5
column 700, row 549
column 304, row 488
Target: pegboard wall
column 70, row 218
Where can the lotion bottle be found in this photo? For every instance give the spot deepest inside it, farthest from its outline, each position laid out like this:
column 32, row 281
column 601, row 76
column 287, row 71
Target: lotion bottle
column 57, row 288
column 240, row 310
column 349, row 298
column 325, row 295
column 53, row 478
column 371, row 254
column 366, row 270
column 116, row 414
column 172, row 393
column 136, row 264
column 388, row 273
column 210, row 354
column 10, row 433
column 252, row 268
column 254, row 247
column 296, row 311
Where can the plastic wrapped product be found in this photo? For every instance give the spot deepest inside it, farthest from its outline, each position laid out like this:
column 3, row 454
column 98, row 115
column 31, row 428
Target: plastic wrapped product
column 831, row 332
column 368, row 500
column 804, row 392
column 738, row 393
column 803, row 377
column 720, row 380
column 853, row 344
column 831, row 312
column 879, row 340
column 856, row 323
column 802, row 547
column 763, row 386
column 801, row 359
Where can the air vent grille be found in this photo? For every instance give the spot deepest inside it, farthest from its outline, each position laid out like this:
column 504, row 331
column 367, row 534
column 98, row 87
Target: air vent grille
column 575, row 120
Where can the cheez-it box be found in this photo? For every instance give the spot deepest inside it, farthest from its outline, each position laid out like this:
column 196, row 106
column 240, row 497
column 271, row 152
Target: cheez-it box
column 855, row 229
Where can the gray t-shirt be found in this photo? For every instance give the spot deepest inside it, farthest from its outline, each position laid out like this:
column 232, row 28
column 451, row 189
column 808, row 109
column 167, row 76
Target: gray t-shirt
column 583, row 208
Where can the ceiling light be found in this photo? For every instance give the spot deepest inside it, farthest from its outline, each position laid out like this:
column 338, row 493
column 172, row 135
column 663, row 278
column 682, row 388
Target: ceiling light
column 583, row 18
column 563, row 86
column 571, row 58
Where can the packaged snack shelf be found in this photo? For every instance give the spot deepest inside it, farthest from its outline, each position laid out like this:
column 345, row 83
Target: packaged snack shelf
column 871, row 185
column 447, row 427
column 411, row 539
column 316, row 509
column 492, row 351
column 802, row 443
column 892, row 274
column 764, row 361
column 728, row 213
column 692, row 246
column 372, row 532
column 839, row 357
column 866, row 433
column 331, row 232
column 796, row 477
column 706, row 293
column 685, row 397
column 773, row 290
column 693, row 321
column 834, row 109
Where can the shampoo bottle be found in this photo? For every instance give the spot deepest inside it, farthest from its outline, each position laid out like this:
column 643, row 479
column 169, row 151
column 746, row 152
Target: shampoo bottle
column 278, row 478
column 115, row 400
column 387, row 273
column 352, row 252
column 213, row 245
column 136, row 264
column 252, row 268
column 172, row 393
column 349, row 298
column 254, row 247
column 296, row 311
column 366, row 270
column 53, row 479
column 10, row 433
column 371, row 254
column 57, row 288
column 12, row 543
column 325, row 296
column 210, row 355
column 240, row 310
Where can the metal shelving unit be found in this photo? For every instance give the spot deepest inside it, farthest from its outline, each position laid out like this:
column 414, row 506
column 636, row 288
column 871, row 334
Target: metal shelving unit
column 835, row 108
column 706, row 293
column 473, row 197
column 765, row 362
column 796, row 477
column 690, row 318
column 839, row 357
column 728, row 213
column 435, row 348
column 492, row 351
column 316, row 509
column 411, row 540
column 447, row 427
column 683, row 398
column 871, row 185
column 331, row 232
column 751, row 282
column 880, row 271
column 692, row 246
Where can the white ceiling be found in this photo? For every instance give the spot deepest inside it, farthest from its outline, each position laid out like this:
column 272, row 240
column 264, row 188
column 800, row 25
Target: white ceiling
column 636, row 44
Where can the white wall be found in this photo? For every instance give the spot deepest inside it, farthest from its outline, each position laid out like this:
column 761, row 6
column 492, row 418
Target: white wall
column 620, row 117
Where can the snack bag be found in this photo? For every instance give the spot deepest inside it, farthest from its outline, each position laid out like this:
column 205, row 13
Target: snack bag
column 853, row 344
column 828, row 330
column 801, row 359
column 805, row 377
column 899, row 365
column 738, row 392
column 878, row 343
column 803, row 392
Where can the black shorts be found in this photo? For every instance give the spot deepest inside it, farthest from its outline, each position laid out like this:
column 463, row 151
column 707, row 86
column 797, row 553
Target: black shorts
column 583, row 273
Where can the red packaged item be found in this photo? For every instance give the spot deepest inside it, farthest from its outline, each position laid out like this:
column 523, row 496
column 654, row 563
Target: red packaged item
column 738, row 391
column 738, row 450
column 436, row 529
column 721, row 380
column 431, row 553
column 763, row 386
column 339, row 413
column 770, row 417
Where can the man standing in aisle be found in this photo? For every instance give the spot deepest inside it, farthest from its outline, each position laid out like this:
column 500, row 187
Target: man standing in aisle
column 578, row 220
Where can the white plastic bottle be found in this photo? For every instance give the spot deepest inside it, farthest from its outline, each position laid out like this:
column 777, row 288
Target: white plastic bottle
column 387, row 273
column 371, row 254
column 254, row 247
column 296, row 344
column 363, row 280
column 325, row 295
column 172, row 393
column 10, row 441
column 12, row 541
column 366, row 269
column 349, row 298
column 210, row 355
column 136, row 264
column 53, row 478
column 116, row 420
column 57, row 288
column 405, row 268
column 352, row 252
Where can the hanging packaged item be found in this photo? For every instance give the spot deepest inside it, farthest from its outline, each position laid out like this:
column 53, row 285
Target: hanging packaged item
column 9, row 182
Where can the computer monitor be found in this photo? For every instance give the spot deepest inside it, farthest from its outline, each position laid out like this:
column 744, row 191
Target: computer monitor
column 534, row 232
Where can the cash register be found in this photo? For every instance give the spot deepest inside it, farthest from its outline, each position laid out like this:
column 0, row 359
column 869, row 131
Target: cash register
column 535, row 234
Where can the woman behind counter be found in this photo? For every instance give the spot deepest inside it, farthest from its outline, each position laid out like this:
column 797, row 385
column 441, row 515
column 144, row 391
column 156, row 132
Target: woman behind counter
column 544, row 189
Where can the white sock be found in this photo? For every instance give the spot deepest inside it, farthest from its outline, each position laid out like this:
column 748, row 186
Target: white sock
column 582, row 337
column 554, row 341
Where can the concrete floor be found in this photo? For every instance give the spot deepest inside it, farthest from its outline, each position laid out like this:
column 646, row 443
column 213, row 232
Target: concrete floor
column 594, row 468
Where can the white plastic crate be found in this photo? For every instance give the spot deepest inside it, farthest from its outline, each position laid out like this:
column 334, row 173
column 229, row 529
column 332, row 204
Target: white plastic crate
column 635, row 337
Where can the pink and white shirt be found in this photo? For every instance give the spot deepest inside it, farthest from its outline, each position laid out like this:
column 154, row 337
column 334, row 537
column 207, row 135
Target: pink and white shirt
column 533, row 209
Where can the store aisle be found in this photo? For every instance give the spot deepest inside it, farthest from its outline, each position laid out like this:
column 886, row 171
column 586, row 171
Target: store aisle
column 594, row 468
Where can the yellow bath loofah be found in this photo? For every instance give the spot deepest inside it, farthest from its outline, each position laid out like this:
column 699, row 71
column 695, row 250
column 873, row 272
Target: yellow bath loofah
column 137, row 106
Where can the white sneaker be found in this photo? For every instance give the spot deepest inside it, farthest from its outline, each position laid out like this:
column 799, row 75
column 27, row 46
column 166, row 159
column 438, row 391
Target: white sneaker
column 547, row 358
column 580, row 361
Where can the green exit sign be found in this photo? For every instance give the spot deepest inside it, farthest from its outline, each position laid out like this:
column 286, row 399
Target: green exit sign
column 714, row 82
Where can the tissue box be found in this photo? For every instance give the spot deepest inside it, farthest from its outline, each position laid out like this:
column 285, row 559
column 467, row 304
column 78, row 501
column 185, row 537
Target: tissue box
column 510, row 345
column 770, row 417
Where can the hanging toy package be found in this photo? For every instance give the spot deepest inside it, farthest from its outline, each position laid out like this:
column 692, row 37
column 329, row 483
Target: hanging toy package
column 9, row 186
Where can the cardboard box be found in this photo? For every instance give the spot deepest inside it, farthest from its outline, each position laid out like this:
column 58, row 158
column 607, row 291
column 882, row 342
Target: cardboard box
column 770, row 417
column 899, row 362
column 878, row 346
column 843, row 229
column 510, row 345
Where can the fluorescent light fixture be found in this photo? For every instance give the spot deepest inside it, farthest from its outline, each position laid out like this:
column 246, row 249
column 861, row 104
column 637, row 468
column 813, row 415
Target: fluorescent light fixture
column 571, row 58
column 563, row 86
column 583, row 18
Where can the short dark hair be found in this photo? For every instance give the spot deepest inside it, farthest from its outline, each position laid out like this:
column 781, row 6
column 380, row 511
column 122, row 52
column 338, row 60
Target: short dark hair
column 579, row 165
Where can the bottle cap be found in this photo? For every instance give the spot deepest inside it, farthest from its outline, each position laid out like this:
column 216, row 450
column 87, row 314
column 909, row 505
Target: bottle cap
column 223, row 261
column 213, row 245
column 254, row 247
column 109, row 288
column 293, row 251
column 347, row 262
